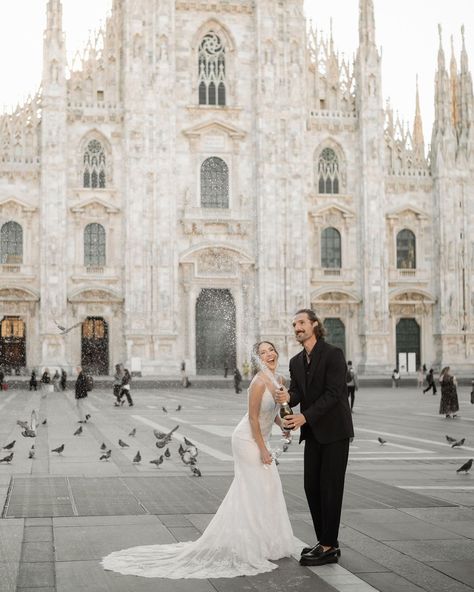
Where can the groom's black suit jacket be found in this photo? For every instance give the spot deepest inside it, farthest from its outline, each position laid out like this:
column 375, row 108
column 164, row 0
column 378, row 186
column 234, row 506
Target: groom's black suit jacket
column 321, row 391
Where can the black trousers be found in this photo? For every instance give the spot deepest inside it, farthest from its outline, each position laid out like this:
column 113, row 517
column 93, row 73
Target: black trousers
column 429, row 387
column 351, row 394
column 324, row 473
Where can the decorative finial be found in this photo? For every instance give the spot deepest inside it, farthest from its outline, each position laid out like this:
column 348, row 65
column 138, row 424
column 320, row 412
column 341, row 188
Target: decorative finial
column 440, row 33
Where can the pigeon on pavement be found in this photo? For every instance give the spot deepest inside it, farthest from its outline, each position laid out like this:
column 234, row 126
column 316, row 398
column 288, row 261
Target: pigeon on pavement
column 103, row 446
column 59, row 449
column 466, row 467
column 106, row 456
column 458, row 443
column 165, row 410
column 188, row 442
column 137, row 458
column 167, row 453
column 123, row 444
column 450, row 440
column 382, row 441
column 9, row 446
column 133, row 432
column 196, row 472
column 78, row 432
column 44, row 422
column 31, row 452
column 7, row 459
column 178, row 408
column 157, row 461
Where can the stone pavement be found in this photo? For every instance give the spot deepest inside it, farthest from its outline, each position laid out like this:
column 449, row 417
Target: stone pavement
column 408, row 519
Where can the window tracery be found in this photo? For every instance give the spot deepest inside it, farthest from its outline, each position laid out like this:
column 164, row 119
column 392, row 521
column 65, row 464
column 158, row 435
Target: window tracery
column 11, row 243
column 214, row 183
column 94, row 165
column 331, row 249
column 211, row 64
column 328, row 171
column 94, row 245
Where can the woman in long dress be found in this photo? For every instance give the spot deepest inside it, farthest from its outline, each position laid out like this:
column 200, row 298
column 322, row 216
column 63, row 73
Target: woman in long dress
column 251, row 527
column 449, row 405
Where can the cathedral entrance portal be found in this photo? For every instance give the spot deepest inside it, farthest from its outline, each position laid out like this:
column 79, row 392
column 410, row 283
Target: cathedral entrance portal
column 12, row 343
column 336, row 333
column 408, row 345
column 95, row 346
column 215, row 332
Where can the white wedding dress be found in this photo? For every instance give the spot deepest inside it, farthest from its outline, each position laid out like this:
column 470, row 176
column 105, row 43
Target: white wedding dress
column 251, row 526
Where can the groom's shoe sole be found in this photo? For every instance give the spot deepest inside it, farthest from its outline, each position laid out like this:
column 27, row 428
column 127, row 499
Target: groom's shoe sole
column 306, row 550
column 315, row 561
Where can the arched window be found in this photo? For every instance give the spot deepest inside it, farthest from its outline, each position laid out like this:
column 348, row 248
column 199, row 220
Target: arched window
column 94, row 245
column 211, row 75
column 94, row 165
column 11, row 243
column 335, row 333
column 331, row 248
column 214, row 183
column 406, row 250
column 328, row 171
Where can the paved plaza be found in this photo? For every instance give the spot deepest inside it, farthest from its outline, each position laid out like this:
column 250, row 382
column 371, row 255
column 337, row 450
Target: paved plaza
column 408, row 519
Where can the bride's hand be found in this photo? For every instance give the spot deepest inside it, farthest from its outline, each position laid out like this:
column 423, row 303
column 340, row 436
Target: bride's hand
column 266, row 457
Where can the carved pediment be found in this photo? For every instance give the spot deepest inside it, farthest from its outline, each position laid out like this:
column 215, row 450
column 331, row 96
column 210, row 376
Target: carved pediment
column 216, row 262
column 332, row 210
column 335, row 297
column 97, row 295
column 412, row 298
column 17, row 295
column 12, row 206
column 95, row 206
column 407, row 212
column 214, row 128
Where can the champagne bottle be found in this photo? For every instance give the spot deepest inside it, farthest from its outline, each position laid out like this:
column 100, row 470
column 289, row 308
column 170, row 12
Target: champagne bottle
column 285, row 410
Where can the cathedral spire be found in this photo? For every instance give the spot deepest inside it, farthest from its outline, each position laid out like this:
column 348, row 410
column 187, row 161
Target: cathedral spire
column 366, row 23
column 54, row 47
column 54, row 20
column 418, row 137
column 443, row 113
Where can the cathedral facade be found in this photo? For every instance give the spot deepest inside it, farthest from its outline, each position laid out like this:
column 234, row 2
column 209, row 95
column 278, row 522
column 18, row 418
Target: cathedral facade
column 204, row 169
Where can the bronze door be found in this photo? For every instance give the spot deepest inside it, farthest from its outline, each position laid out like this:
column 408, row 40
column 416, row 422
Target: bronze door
column 95, row 346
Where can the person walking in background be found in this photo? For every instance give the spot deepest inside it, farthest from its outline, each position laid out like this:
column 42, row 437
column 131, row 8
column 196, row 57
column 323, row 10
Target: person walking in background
column 237, row 381
column 420, row 377
column 63, row 381
column 184, row 378
column 33, row 381
column 226, row 368
column 352, row 383
column 46, row 385
column 125, row 390
column 430, row 382
column 80, row 394
column 395, row 378
column 448, row 405
column 117, row 384
column 56, row 379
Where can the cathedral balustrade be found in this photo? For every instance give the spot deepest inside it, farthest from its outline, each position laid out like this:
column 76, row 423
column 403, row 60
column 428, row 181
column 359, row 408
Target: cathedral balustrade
column 409, row 275
column 342, row 275
column 18, row 270
column 336, row 120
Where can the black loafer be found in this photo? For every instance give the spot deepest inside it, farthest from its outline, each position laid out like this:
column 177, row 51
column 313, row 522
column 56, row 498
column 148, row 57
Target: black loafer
column 306, row 550
column 320, row 558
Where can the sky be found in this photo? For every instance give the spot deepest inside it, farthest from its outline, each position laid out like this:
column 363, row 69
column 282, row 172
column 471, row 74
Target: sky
column 406, row 30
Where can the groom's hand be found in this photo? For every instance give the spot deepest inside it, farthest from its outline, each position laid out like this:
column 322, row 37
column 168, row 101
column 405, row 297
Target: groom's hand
column 293, row 422
column 282, row 395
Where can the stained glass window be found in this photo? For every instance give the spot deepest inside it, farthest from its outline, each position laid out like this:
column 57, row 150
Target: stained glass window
column 328, row 172
column 406, row 250
column 94, row 245
column 214, row 183
column 211, row 74
column 331, row 248
column 11, row 243
column 94, row 165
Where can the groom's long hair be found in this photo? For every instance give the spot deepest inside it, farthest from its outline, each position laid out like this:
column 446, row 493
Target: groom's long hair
column 319, row 330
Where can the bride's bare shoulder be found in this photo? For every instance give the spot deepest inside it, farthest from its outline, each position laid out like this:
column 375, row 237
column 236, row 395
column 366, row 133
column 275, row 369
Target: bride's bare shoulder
column 258, row 384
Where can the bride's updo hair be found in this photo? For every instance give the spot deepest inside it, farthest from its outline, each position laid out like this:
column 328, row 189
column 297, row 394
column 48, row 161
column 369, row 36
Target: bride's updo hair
column 254, row 356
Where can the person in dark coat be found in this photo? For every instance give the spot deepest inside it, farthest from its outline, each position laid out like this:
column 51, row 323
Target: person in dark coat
column 449, row 404
column 318, row 385
column 125, row 390
column 237, row 381
column 63, row 381
column 33, row 381
column 430, row 382
column 80, row 394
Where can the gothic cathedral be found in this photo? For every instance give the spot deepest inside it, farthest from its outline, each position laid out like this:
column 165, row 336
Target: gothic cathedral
column 205, row 168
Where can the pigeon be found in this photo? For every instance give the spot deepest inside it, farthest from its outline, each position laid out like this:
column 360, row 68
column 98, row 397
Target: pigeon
column 466, row 467
column 167, row 453
column 450, row 440
column 161, row 443
column 458, row 443
column 178, row 408
column 157, row 461
column 65, row 330
column 9, row 446
column 165, row 410
column 103, row 446
column 7, row 459
column 78, row 432
column 27, row 433
column 88, row 416
column 23, row 424
column 181, row 450
column 188, row 442
column 193, row 451
column 44, row 422
column 133, row 432
column 137, row 458
column 123, row 444
column 187, row 458
column 159, row 435
column 59, row 449
column 382, row 441
column 31, row 453
column 196, row 472
column 106, row 456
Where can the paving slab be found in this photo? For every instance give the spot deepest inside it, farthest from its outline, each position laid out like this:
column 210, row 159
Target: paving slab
column 36, row 574
column 460, row 570
column 390, row 582
column 38, row 534
column 441, row 550
column 37, row 552
column 8, row 575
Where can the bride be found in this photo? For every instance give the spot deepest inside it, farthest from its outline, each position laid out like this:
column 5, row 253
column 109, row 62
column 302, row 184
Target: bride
column 251, row 526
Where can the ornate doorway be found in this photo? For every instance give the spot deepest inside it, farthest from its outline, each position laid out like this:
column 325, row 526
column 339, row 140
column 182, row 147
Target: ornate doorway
column 95, row 346
column 336, row 333
column 12, row 343
column 408, row 344
column 215, row 332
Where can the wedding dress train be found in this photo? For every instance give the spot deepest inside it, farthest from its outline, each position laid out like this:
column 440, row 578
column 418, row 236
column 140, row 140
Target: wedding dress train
column 251, row 526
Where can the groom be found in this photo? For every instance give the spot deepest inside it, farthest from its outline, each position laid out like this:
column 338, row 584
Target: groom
column 318, row 384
